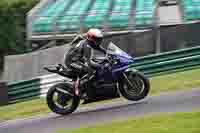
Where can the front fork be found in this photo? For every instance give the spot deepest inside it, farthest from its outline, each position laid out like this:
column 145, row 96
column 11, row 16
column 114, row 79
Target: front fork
column 128, row 81
column 133, row 72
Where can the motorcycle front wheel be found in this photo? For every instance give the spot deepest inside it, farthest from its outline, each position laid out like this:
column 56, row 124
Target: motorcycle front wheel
column 61, row 99
column 134, row 86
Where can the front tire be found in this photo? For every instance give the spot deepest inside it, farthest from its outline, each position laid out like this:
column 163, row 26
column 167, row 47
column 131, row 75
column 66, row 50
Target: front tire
column 61, row 106
column 136, row 87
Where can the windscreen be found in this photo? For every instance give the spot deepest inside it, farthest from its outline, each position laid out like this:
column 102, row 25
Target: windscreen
column 114, row 50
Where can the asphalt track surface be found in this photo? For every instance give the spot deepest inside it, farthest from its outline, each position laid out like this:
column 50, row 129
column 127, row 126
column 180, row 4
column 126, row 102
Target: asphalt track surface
column 102, row 113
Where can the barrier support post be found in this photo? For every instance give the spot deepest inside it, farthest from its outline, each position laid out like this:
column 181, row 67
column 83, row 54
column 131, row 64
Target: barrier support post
column 3, row 93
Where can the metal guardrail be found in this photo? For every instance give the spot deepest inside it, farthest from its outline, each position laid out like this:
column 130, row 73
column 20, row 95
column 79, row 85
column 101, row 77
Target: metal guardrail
column 153, row 65
column 28, row 89
column 166, row 56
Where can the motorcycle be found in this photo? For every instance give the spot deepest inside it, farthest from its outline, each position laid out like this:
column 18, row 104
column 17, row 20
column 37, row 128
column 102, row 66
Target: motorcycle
column 110, row 82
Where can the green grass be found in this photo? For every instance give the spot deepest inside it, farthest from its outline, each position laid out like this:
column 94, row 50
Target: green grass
column 173, row 82
column 177, row 81
column 170, row 123
column 23, row 110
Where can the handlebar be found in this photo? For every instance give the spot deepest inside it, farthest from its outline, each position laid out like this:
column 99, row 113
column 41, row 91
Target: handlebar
column 112, row 59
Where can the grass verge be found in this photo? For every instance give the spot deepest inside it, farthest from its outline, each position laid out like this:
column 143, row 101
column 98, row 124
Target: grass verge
column 170, row 123
column 172, row 82
column 23, row 110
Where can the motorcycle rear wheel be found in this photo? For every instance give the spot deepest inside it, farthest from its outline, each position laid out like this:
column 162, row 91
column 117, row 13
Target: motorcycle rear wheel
column 134, row 86
column 60, row 102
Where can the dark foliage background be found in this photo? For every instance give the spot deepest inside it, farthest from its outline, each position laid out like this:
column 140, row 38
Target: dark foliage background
column 13, row 25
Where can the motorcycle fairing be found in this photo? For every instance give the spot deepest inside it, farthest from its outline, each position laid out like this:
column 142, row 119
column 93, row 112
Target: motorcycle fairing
column 117, row 69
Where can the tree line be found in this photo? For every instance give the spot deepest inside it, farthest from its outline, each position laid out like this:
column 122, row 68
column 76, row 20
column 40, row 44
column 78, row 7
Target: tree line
column 13, row 25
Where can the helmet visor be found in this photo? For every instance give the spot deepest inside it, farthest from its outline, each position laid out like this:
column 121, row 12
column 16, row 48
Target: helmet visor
column 99, row 40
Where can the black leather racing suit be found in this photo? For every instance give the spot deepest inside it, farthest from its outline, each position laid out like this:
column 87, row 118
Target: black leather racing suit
column 79, row 57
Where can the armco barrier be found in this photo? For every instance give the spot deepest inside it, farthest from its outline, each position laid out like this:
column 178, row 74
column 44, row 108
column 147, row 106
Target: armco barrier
column 152, row 65
column 32, row 88
column 192, row 59
column 167, row 56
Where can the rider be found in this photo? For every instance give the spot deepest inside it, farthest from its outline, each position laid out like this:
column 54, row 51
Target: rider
column 79, row 56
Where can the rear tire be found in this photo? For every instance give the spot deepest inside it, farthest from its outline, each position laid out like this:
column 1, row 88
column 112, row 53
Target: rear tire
column 55, row 107
column 128, row 92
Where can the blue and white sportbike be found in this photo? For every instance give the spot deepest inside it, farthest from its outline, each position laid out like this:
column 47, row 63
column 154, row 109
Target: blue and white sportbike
column 110, row 82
